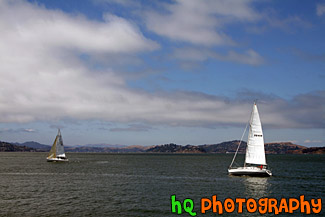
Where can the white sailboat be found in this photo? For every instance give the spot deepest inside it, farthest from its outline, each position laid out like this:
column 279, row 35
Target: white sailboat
column 56, row 153
column 255, row 162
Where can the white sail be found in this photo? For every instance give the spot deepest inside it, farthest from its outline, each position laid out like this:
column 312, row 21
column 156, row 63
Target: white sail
column 57, row 151
column 59, row 145
column 52, row 153
column 255, row 153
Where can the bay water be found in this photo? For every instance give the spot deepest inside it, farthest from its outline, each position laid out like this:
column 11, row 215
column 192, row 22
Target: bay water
column 103, row 184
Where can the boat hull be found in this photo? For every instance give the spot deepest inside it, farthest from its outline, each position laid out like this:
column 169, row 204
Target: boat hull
column 249, row 171
column 57, row 160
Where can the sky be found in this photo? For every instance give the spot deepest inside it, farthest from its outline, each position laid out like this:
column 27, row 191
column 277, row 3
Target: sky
column 134, row 72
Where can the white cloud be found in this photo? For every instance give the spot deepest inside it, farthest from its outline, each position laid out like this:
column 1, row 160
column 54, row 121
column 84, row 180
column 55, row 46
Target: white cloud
column 132, row 128
column 199, row 22
column 288, row 24
column 201, row 25
column 42, row 77
column 19, row 130
column 126, row 3
column 250, row 56
column 41, row 28
column 320, row 9
column 312, row 141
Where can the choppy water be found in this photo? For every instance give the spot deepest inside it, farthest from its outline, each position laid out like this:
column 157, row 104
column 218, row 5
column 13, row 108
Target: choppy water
column 141, row 184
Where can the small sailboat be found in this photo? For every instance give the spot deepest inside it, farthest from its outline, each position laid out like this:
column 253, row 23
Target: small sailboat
column 255, row 161
column 56, row 153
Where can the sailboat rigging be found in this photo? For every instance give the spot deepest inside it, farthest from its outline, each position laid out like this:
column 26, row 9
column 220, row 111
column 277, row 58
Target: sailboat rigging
column 255, row 161
column 56, row 153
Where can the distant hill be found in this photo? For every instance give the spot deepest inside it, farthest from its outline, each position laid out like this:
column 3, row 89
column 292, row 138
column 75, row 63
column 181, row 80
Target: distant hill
column 7, row 147
column 173, row 148
column 231, row 147
column 127, row 149
column 224, row 147
column 283, row 148
column 102, row 145
column 35, row 145
column 312, row 150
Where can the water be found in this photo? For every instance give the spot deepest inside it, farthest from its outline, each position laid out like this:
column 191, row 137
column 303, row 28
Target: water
column 141, row 184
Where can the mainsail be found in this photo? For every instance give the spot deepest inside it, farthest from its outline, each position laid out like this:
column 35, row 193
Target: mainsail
column 57, row 149
column 255, row 153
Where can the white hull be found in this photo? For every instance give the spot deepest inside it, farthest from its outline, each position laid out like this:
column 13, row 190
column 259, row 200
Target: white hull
column 57, row 160
column 249, row 171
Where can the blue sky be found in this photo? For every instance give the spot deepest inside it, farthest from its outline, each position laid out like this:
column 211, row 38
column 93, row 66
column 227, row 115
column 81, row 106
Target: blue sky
column 152, row 72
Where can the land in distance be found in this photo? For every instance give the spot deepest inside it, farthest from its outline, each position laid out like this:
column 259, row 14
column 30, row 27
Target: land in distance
column 224, row 147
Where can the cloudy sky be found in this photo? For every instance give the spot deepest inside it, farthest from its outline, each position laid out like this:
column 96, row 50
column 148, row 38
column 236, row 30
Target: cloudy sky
column 152, row 72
